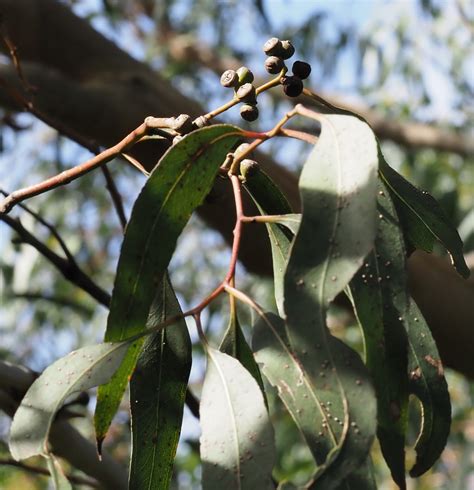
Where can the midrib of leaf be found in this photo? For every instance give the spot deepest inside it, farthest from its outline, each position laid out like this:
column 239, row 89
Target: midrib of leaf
column 229, row 402
column 307, row 382
column 322, row 309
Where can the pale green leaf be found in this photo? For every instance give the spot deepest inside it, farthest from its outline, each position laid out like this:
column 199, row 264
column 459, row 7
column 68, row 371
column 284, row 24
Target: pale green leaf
column 60, row 482
column 78, row 371
column 338, row 187
column 237, row 447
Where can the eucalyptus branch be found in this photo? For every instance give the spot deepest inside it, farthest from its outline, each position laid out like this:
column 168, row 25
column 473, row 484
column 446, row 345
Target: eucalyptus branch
column 54, row 232
column 115, row 195
column 73, row 173
column 70, row 270
column 78, row 480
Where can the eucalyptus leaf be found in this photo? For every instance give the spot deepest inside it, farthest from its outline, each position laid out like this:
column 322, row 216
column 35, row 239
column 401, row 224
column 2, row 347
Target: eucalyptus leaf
column 60, row 481
column 291, row 221
column 428, row 383
column 338, row 187
column 423, row 219
column 78, row 371
column 157, row 395
column 177, row 185
column 378, row 293
column 270, row 201
column 234, row 344
column 237, row 446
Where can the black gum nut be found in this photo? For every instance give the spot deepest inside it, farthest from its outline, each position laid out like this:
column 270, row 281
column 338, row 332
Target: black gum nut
column 292, row 86
column 301, row 69
column 249, row 112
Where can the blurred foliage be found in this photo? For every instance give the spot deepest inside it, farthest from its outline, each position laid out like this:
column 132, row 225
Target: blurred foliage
column 412, row 61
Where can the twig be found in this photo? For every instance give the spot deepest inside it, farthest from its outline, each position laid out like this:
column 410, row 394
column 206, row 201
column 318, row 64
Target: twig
column 300, row 135
column 115, row 195
column 70, row 270
column 78, row 480
column 13, row 51
column 50, row 227
column 75, row 172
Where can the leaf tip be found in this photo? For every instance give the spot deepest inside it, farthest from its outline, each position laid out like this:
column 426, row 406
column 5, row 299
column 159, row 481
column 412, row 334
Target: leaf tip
column 99, row 441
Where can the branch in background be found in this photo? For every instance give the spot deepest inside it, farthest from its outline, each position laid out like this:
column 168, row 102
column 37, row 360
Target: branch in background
column 186, row 49
column 70, row 270
column 50, row 227
column 115, row 195
column 38, row 470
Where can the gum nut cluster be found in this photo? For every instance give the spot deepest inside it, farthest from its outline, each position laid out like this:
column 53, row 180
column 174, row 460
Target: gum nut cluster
column 241, row 81
column 279, row 51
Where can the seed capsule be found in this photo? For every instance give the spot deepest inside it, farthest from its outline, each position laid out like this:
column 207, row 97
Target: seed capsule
column 274, row 65
column 292, row 86
column 229, row 78
column 244, row 75
column 301, row 69
column 248, row 168
column 288, row 50
column 273, row 47
column 246, row 93
column 249, row 112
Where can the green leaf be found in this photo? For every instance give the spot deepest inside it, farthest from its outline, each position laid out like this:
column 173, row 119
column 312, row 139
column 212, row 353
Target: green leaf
column 378, row 293
column 157, row 395
column 234, row 344
column 428, row 383
column 362, row 478
column 304, row 391
column 338, row 188
column 60, row 482
column 270, row 201
column 78, row 371
column 177, row 185
column 237, row 447
column 291, row 221
column 423, row 219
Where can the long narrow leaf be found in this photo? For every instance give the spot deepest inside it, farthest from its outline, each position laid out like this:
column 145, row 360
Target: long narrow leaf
column 234, row 344
column 270, row 201
column 428, row 383
column 237, row 447
column 378, row 293
column 157, row 394
column 423, row 218
column 78, row 371
column 338, row 187
column 178, row 184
